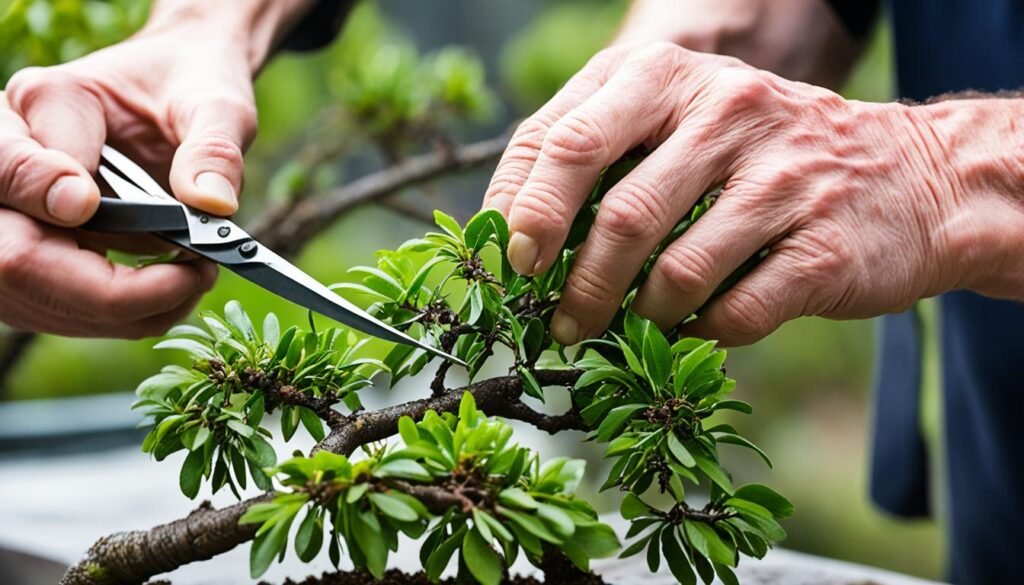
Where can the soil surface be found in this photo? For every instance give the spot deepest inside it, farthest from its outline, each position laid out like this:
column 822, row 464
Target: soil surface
column 395, row 577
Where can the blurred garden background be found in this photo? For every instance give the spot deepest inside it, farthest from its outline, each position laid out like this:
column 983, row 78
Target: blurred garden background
column 429, row 62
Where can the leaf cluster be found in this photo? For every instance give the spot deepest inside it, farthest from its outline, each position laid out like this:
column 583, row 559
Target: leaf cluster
column 458, row 481
column 215, row 409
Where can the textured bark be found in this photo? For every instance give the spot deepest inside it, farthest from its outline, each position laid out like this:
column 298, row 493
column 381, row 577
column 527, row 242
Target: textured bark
column 495, row 397
column 133, row 557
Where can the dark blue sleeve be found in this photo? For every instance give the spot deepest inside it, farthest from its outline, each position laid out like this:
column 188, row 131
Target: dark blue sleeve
column 858, row 16
column 319, row 27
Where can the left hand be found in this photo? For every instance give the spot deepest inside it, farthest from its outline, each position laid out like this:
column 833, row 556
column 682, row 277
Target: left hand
column 865, row 207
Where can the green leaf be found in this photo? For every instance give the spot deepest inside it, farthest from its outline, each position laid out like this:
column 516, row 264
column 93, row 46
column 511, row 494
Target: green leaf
column 191, row 475
column 734, row 439
column 657, row 356
column 533, row 338
column 269, row 544
column 240, row 427
column 616, row 420
column 633, row 507
column 448, row 224
column 190, row 345
column 686, row 364
column 737, row 405
column 676, row 558
column 517, row 498
column 371, row 542
column 393, row 507
column 767, row 498
column 530, row 524
column 679, row 451
column 530, row 385
column 481, row 560
column 355, row 492
column 706, row 540
column 438, row 560
column 313, row 424
column 271, row 330
column 239, row 319
column 597, row 540
column 558, row 521
column 405, row 469
column 714, row 472
column 310, row 536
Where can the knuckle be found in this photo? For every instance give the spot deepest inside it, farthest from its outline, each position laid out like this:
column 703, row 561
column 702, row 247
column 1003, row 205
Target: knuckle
column 655, row 56
column 577, row 140
column 741, row 89
column 16, row 258
column 588, row 290
column 16, row 169
column 686, row 269
column 218, row 147
column 632, row 217
column 542, row 205
column 529, row 136
column 745, row 315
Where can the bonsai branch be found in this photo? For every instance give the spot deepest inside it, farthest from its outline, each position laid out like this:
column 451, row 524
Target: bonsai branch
column 311, row 216
column 133, row 557
column 496, row 397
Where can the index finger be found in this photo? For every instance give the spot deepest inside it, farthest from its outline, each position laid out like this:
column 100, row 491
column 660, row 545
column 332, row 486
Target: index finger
column 623, row 113
column 524, row 147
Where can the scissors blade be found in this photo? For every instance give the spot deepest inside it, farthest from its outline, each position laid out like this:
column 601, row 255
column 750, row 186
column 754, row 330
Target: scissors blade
column 134, row 173
column 284, row 279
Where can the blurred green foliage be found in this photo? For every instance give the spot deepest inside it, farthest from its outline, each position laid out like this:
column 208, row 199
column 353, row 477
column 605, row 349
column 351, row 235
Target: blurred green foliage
column 809, row 381
column 46, row 32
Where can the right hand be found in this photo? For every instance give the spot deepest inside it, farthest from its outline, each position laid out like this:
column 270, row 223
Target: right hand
column 178, row 99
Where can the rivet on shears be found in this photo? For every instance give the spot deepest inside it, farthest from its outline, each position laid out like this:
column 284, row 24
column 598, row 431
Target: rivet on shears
column 204, row 219
column 248, row 249
column 223, row 231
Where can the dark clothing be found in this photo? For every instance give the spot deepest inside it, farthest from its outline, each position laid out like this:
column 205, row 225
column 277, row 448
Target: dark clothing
column 943, row 46
column 319, row 27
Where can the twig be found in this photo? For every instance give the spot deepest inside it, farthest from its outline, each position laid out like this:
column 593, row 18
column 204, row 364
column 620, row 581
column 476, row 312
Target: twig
column 313, row 215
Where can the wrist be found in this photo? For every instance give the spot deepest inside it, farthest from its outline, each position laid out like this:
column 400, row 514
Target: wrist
column 977, row 153
column 253, row 27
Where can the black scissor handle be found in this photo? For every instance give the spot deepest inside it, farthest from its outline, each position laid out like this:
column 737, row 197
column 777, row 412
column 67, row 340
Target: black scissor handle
column 118, row 215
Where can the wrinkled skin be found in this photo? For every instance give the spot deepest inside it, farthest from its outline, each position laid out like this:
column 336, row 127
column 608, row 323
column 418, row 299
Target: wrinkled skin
column 177, row 99
column 865, row 207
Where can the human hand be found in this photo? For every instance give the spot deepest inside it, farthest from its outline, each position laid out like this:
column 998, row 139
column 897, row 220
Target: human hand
column 865, row 208
column 801, row 40
column 177, row 97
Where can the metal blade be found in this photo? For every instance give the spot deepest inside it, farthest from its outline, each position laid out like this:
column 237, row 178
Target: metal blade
column 124, row 189
column 282, row 278
column 134, row 172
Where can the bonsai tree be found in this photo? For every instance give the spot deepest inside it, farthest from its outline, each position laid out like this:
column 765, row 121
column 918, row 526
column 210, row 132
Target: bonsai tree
column 445, row 469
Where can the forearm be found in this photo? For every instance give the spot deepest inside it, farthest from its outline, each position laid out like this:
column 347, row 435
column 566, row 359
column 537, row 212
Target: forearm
column 255, row 25
column 801, row 40
column 979, row 150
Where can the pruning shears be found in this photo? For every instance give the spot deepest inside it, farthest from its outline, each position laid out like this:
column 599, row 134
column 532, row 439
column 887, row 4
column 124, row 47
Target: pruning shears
column 141, row 205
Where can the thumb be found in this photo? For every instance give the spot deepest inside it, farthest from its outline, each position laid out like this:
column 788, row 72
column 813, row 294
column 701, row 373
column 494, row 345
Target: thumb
column 207, row 169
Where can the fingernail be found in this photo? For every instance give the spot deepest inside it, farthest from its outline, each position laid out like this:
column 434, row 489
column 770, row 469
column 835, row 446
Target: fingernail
column 522, row 253
column 68, row 200
column 565, row 329
column 218, row 187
